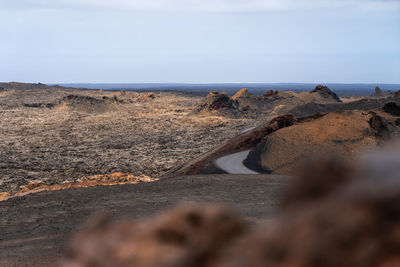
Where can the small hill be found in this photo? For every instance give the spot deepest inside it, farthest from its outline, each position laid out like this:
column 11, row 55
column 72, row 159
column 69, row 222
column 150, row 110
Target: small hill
column 342, row 133
column 217, row 103
column 87, row 104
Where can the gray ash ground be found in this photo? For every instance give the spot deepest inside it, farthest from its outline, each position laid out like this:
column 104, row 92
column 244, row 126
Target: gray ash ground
column 52, row 136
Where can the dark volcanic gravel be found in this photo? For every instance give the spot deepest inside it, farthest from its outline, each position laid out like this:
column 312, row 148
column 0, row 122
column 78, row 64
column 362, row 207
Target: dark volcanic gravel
column 37, row 226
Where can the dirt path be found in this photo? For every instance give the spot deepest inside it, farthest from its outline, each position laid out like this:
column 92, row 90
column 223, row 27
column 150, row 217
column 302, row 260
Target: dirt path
column 34, row 228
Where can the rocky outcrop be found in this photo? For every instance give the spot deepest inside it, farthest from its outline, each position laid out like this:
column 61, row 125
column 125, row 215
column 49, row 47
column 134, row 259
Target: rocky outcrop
column 378, row 92
column 325, row 93
column 217, row 103
column 266, row 106
column 270, row 93
column 242, row 93
column 379, row 126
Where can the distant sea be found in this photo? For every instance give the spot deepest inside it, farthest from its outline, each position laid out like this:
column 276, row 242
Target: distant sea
column 231, row 88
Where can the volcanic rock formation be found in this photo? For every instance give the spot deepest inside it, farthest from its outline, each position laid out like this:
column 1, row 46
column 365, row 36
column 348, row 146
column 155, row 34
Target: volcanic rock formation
column 267, row 106
column 362, row 104
column 217, row 103
column 241, row 94
column 338, row 133
column 378, row 91
column 325, row 93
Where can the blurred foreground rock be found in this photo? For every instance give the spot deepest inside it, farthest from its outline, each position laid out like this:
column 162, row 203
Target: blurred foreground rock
column 332, row 214
column 189, row 235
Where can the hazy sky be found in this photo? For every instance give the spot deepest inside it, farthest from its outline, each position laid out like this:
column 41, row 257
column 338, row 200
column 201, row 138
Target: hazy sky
column 55, row 41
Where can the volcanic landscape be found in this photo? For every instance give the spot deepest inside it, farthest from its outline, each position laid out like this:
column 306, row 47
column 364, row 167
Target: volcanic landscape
column 68, row 153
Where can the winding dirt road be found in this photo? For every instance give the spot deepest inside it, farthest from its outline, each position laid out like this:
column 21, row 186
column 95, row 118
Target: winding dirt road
column 233, row 163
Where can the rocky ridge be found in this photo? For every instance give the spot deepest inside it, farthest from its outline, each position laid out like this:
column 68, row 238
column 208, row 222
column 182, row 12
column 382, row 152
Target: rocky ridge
column 272, row 103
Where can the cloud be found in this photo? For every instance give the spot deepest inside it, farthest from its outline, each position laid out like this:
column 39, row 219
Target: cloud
column 201, row 5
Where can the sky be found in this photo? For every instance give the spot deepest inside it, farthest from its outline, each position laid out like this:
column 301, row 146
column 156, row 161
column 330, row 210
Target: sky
column 200, row 41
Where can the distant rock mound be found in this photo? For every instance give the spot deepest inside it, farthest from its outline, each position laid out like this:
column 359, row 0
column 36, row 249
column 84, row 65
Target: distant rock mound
column 241, row 93
column 325, row 93
column 249, row 105
column 343, row 133
column 362, row 104
column 87, row 104
column 217, row 103
column 146, row 97
column 378, row 91
column 30, row 86
column 270, row 93
column 266, row 106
